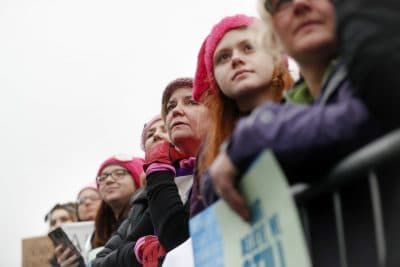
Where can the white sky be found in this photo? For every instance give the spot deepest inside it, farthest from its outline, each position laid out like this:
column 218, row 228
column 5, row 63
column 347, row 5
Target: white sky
column 78, row 79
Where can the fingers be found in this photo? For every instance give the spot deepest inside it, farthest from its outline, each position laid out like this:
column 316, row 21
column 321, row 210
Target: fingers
column 72, row 261
column 65, row 257
column 59, row 250
column 223, row 174
column 235, row 201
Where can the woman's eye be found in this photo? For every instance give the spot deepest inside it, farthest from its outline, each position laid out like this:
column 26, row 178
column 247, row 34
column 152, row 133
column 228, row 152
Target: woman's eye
column 192, row 102
column 222, row 58
column 170, row 107
column 248, row 47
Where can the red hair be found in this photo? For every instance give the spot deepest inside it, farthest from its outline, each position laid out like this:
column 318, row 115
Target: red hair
column 224, row 113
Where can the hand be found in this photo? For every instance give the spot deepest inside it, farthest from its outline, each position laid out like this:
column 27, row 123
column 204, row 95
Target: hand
column 148, row 249
column 163, row 152
column 65, row 257
column 223, row 174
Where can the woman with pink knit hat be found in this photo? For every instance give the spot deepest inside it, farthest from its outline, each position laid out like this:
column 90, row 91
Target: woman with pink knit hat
column 118, row 178
column 239, row 67
column 312, row 131
column 88, row 201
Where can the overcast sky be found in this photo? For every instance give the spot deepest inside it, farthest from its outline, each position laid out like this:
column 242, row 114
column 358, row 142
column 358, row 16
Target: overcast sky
column 78, row 79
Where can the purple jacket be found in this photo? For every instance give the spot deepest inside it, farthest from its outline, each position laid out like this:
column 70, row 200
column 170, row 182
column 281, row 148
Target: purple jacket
column 307, row 140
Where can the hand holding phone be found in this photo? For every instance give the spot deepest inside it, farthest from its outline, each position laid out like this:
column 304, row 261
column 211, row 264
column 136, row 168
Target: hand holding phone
column 59, row 237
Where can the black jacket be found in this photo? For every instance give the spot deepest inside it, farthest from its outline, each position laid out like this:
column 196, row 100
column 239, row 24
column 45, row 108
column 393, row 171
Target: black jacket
column 369, row 40
column 163, row 208
column 169, row 215
column 118, row 251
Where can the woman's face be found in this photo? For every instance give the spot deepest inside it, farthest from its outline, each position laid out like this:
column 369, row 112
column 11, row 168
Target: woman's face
column 185, row 120
column 88, row 203
column 242, row 66
column 58, row 217
column 155, row 134
column 306, row 28
column 118, row 186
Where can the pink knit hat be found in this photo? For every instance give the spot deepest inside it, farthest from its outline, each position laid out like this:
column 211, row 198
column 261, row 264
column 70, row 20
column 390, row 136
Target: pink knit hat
column 91, row 185
column 146, row 128
column 171, row 87
column 133, row 165
column 204, row 77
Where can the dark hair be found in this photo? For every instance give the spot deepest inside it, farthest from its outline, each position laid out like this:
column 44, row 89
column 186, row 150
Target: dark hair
column 70, row 207
column 106, row 223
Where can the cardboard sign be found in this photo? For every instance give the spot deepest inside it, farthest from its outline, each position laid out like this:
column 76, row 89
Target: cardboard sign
column 274, row 238
column 37, row 251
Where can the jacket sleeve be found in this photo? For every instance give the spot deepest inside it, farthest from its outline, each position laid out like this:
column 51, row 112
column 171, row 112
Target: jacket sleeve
column 207, row 189
column 369, row 42
column 169, row 215
column 305, row 139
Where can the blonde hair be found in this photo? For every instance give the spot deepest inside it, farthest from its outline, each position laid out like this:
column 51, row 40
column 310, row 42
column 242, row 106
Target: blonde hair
column 272, row 38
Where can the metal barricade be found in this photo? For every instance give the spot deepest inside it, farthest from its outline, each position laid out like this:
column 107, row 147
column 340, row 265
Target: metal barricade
column 350, row 219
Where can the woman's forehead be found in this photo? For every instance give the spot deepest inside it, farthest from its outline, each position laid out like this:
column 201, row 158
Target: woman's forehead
column 156, row 124
column 112, row 167
column 180, row 93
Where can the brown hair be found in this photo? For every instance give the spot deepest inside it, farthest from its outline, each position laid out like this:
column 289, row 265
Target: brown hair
column 170, row 88
column 106, row 223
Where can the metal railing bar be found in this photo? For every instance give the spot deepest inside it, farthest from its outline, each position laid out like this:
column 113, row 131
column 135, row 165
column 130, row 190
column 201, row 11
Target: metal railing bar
column 337, row 204
column 306, row 226
column 378, row 219
column 385, row 149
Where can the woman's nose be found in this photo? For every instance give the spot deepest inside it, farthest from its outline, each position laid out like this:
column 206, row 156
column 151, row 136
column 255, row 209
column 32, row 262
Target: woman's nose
column 178, row 110
column 236, row 59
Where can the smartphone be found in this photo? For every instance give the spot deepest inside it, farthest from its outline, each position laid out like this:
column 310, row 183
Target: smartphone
column 58, row 236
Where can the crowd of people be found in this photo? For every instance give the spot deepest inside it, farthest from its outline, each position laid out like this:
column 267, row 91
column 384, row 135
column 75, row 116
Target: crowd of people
column 242, row 100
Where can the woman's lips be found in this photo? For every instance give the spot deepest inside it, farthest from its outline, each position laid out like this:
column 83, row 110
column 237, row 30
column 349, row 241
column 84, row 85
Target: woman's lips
column 179, row 123
column 239, row 73
column 306, row 24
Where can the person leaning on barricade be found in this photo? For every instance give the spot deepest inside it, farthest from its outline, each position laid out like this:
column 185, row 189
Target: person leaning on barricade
column 300, row 132
column 239, row 68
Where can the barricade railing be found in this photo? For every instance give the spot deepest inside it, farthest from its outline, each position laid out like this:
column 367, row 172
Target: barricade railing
column 352, row 218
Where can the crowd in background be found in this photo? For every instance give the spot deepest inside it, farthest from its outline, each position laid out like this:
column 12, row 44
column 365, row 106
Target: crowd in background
column 241, row 101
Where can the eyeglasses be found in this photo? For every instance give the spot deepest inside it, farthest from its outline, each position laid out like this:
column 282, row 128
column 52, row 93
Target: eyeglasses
column 273, row 6
column 82, row 200
column 115, row 174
